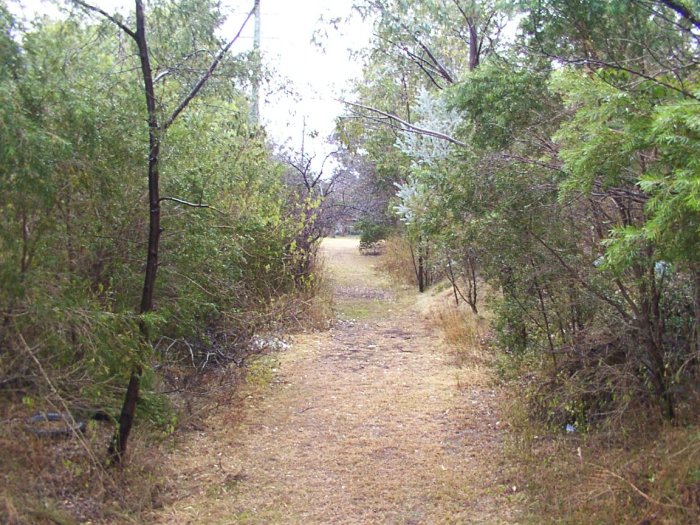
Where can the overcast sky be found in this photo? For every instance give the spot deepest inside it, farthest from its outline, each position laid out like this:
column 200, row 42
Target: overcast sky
column 318, row 74
column 288, row 26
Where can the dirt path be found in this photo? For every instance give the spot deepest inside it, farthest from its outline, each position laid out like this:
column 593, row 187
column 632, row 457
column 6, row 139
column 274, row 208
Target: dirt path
column 370, row 422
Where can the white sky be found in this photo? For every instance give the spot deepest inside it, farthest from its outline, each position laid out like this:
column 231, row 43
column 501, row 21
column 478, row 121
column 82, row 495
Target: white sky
column 317, row 75
column 287, row 29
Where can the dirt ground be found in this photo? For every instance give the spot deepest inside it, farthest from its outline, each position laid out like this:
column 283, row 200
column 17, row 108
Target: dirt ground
column 370, row 422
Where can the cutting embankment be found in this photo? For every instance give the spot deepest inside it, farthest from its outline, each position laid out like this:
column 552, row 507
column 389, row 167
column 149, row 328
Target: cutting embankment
column 371, row 421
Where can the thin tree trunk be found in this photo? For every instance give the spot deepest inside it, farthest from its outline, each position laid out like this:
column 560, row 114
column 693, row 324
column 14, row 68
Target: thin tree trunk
column 117, row 448
column 415, row 266
column 697, row 313
column 472, row 291
column 451, row 277
column 118, row 445
column 545, row 317
column 421, row 267
column 651, row 330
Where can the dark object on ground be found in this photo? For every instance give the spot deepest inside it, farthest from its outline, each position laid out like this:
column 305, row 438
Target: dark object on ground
column 54, row 424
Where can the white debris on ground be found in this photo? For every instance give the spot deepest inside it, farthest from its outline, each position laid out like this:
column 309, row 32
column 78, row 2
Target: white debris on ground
column 258, row 343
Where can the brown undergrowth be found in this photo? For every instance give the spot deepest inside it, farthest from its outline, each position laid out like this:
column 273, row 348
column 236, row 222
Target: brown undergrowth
column 64, row 479
column 397, row 261
column 631, row 467
column 634, row 471
column 647, row 475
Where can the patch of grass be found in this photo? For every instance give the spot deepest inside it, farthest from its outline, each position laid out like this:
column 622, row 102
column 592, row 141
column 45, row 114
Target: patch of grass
column 341, row 256
column 50, row 514
column 397, row 261
column 363, row 309
column 265, row 515
column 465, row 332
column 261, row 370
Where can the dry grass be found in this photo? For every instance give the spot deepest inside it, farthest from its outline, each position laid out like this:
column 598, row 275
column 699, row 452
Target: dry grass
column 64, row 480
column 464, row 331
column 368, row 422
column 467, row 334
column 359, row 291
column 636, row 469
column 649, row 475
column 397, row 261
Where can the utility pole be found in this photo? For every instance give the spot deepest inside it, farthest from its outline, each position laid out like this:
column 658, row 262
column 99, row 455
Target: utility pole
column 255, row 105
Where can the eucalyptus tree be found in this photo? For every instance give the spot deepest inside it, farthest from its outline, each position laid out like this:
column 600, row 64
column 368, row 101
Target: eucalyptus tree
column 418, row 47
column 425, row 44
column 158, row 123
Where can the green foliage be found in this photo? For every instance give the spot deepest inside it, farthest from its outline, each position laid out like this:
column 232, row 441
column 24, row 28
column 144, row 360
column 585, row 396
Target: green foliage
column 600, row 141
column 371, row 232
column 673, row 185
column 73, row 219
column 500, row 101
column 572, row 183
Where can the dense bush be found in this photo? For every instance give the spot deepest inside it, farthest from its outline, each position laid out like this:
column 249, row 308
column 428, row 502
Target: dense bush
column 557, row 167
column 371, row 233
column 74, row 209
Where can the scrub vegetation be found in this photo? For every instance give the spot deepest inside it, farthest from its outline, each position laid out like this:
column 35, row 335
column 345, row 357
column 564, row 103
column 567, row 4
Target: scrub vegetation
column 524, row 175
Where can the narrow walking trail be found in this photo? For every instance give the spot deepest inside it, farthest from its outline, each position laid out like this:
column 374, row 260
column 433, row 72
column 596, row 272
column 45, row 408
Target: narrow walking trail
column 370, row 422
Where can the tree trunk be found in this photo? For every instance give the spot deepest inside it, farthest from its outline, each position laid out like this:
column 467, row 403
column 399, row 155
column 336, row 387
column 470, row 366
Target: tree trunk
column 421, row 266
column 472, row 290
column 697, row 313
column 117, row 448
column 651, row 329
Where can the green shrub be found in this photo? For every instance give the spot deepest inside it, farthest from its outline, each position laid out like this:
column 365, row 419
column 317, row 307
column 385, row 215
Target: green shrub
column 371, row 233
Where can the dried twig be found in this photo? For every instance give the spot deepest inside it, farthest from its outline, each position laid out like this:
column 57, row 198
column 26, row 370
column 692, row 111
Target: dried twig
column 635, row 488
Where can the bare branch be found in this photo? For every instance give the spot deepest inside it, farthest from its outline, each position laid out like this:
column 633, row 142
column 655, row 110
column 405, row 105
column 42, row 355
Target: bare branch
column 186, row 203
column 407, row 126
column 434, row 62
column 207, row 74
column 109, row 17
column 461, row 10
column 323, row 166
column 443, row 70
column 426, row 66
column 637, row 489
column 641, row 74
column 160, row 76
column 576, row 275
column 616, row 65
column 649, row 5
column 190, row 204
column 527, row 160
column 682, row 11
